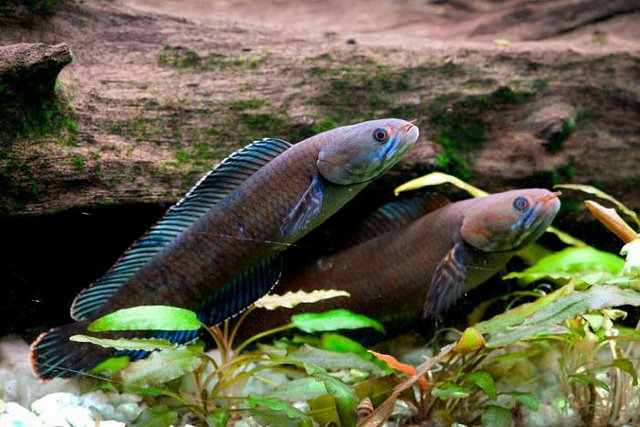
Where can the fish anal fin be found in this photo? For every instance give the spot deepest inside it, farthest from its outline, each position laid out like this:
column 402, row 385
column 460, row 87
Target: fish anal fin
column 305, row 210
column 208, row 192
column 242, row 291
column 394, row 215
column 448, row 282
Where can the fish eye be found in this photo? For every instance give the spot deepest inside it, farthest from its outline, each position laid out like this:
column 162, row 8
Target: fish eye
column 380, row 135
column 521, row 204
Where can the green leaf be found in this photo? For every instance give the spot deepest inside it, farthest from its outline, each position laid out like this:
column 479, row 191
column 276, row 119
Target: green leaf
column 218, row 418
column 527, row 399
column 110, row 365
column 335, row 361
column 268, row 411
column 568, row 304
column 579, row 263
column 627, row 366
column 565, row 238
column 377, row 389
column 497, row 416
column 162, row 366
column 147, row 317
column 449, row 390
column 156, row 416
column 333, row 320
column 147, row 344
column 483, row 380
column 439, row 178
column 292, row 299
column 305, row 388
column 345, row 399
column 324, row 411
column 588, row 380
column 519, row 314
column 601, row 194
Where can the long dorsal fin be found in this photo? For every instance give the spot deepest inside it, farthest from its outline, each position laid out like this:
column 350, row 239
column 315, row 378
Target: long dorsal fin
column 394, row 215
column 209, row 191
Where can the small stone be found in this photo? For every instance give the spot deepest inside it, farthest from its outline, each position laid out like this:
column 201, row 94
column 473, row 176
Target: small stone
column 18, row 416
column 54, row 402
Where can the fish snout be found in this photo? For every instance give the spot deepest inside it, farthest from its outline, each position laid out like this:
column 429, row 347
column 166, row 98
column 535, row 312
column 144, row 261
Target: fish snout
column 549, row 196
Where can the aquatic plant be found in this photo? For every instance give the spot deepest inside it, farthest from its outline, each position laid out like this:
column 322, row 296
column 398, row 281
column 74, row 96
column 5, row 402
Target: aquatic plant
column 325, row 375
column 564, row 350
column 563, row 355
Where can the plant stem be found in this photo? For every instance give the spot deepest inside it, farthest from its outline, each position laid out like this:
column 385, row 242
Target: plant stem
column 262, row 335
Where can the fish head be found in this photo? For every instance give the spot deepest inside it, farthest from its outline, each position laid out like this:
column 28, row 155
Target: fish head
column 508, row 221
column 362, row 152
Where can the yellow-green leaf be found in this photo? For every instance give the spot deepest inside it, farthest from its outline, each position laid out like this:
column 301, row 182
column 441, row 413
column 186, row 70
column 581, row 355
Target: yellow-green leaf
column 601, row 194
column 292, row 299
column 471, row 340
column 333, row 320
column 438, row 178
column 147, row 317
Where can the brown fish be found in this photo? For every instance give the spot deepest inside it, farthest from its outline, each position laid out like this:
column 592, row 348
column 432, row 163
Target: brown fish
column 420, row 266
column 217, row 250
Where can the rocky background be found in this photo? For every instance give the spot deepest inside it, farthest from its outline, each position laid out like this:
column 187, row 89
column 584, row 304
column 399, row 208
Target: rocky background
column 506, row 94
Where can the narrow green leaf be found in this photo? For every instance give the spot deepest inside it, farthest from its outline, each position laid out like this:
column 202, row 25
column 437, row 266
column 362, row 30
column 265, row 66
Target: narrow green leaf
column 305, row 388
column 627, row 366
column 517, row 315
column 449, row 390
column 549, row 317
column 566, row 238
column 335, row 361
column 346, row 400
column 601, row 194
column 570, row 263
column 156, row 416
column 333, row 320
column 497, row 416
column 439, row 178
column 147, row 317
column 147, row 344
column 162, row 366
column 588, row 380
column 266, row 410
column 483, row 381
column 323, row 410
column 218, row 418
column 292, row 299
column 527, row 399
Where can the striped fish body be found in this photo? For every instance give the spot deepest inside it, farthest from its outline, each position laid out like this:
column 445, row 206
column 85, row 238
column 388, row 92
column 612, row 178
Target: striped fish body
column 244, row 228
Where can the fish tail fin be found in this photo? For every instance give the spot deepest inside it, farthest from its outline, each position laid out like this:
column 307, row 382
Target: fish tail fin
column 54, row 355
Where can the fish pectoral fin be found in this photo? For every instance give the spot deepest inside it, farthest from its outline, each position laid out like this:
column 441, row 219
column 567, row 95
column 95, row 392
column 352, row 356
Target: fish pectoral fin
column 306, row 209
column 448, row 282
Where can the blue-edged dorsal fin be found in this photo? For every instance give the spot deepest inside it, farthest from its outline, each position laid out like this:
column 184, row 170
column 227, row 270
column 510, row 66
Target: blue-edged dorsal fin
column 394, row 215
column 209, row 191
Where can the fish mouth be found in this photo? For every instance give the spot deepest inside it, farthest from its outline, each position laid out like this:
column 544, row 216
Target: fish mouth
column 407, row 135
column 539, row 217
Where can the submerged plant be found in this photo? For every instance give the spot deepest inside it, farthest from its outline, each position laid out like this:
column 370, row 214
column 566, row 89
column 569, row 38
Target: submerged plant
column 294, row 381
column 564, row 353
